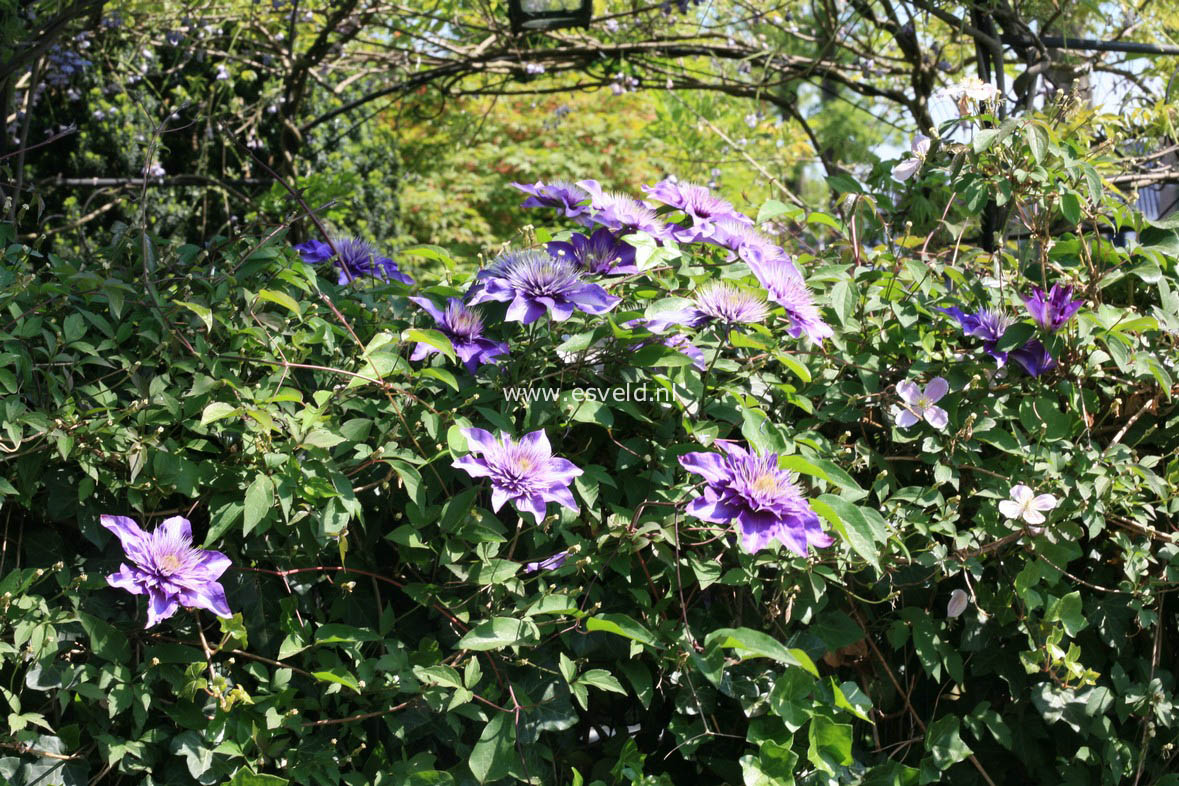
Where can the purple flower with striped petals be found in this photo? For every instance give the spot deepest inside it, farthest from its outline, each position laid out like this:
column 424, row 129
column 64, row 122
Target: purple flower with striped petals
column 985, row 324
column 1034, row 358
column 622, row 213
column 356, row 259
column 782, row 280
column 750, row 245
column 561, row 194
column 549, row 563
column 715, row 301
column 600, row 253
column 750, row 489
column 524, row 473
column 1052, row 310
column 167, row 568
column 464, row 328
column 533, row 282
column 703, row 207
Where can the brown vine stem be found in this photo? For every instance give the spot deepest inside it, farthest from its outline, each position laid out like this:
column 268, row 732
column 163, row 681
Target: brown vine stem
column 903, row 694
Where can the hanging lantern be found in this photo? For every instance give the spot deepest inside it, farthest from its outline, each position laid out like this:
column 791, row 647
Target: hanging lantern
column 531, row 15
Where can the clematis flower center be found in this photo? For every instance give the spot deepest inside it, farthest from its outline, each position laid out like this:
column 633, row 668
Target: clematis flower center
column 765, row 484
column 169, row 564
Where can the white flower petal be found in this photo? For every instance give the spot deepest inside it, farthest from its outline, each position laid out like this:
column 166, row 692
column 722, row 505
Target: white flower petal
column 1011, row 510
column 1044, row 502
column 1033, row 516
column 1022, row 494
column 957, row 604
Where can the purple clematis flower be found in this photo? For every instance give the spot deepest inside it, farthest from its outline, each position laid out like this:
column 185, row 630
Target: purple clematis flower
column 680, row 343
column 622, row 212
column 750, row 245
column 917, row 405
column 1053, row 309
column 1034, row 358
column 357, row 259
column 750, row 489
column 986, row 324
column 715, row 301
column 315, row 251
column 703, row 207
column 534, row 282
column 525, row 473
column 600, row 253
column 464, row 328
column 549, row 563
column 168, row 568
column 782, row 280
column 561, row 194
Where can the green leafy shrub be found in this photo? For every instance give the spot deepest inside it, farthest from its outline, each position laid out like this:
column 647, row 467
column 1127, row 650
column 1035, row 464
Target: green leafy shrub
column 390, row 626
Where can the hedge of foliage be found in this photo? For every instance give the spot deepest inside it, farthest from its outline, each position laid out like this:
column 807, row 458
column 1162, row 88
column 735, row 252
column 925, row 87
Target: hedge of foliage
column 969, row 587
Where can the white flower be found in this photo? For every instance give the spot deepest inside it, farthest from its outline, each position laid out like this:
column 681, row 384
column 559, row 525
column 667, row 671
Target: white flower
column 1024, row 504
column 957, row 604
column 910, row 166
column 916, row 404
column 969, row 89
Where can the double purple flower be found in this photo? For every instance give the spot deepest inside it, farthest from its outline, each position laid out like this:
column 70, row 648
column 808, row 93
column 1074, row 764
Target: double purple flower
column 782, row 280
column 1052, row 310
column 715, row 301
column 533, row 283
column 750, row 489
column 622, row 213
column 524, row 473
column 464, row 328
column 356, row 259
column 985, row 324
column 561, row 194
column 167, row 568
column 699, row 204
column 600, row 253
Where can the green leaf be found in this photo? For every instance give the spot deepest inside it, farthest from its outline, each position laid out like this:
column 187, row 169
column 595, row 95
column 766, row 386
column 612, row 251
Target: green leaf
column 246, row 778
column 620, row 625
column 432, row 338
column 337, row 633
column 860, row 528
column 105, row 640
column 601, row 679
column 259, row 500
column 338, row 675
column 498, row 633
column 750, row 643
column 492, row 755
column 988, row 137
column 944, row 742
column 216, row 411
column 322, row 438
column 282, row 299
column 1070, row 206
column 830, row 744
column 204, row 312
column 1038, row 141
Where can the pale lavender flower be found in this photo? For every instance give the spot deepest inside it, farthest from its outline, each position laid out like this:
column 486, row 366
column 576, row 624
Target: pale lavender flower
column 917, row 405
column 957, row 604
column 910, row 166
column 750, row 489
column 549, row 563
column 464, row 328
column 168, row 568
column 524, row 473
column 751, row 246
column 533, row 283
column 1025, row 504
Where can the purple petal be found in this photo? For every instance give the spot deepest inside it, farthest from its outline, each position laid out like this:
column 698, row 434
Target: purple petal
column 537, row 440
column 429, row 307
column 160, row 606
column 710, row 466
column 475, row 467
column 126, row 579
column 177, row 527
column 904, row 417
column 131, row 537
column 531, row 503
column 478, row 440
column 592, row 299
column 936, row 388
column 562, row 496
column 908, row 391
column 210, row 596
column 937, row 417
column 711, row 507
